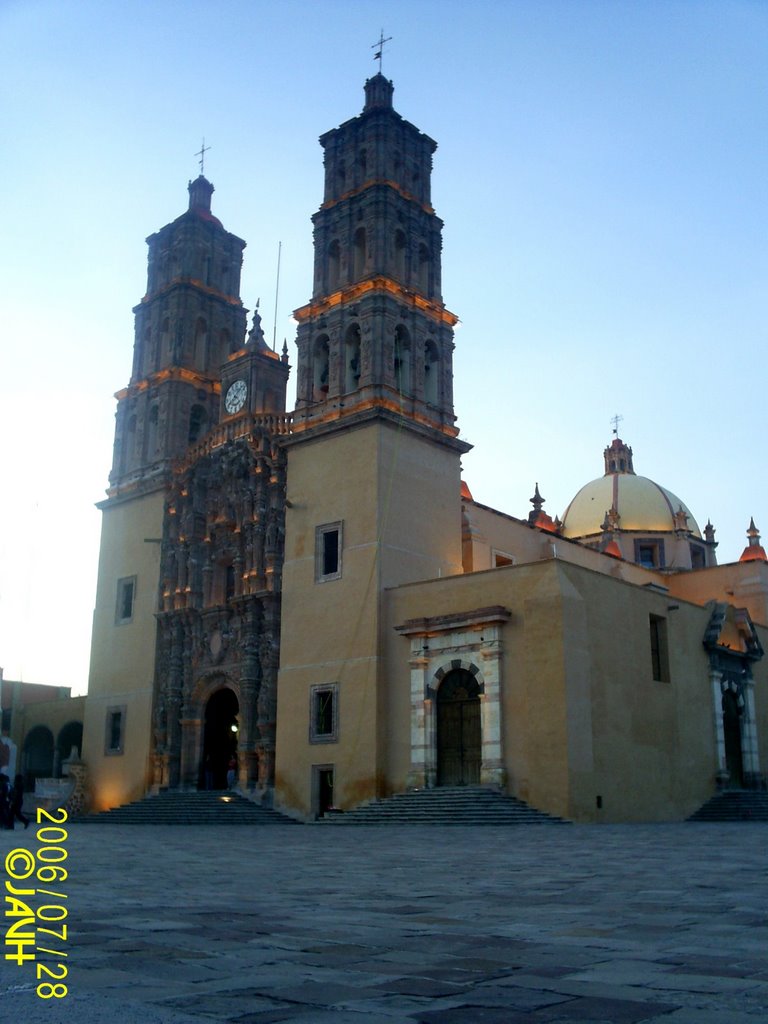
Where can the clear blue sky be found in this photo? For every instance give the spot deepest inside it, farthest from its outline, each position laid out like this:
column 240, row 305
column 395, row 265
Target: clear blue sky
column 602, row 173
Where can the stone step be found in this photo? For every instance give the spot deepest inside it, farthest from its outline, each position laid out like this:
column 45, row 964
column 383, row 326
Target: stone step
column 176, row 808
column 464, row 805
column 734, row 805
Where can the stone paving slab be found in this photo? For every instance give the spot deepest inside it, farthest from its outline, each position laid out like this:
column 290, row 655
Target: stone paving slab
column 408, row 925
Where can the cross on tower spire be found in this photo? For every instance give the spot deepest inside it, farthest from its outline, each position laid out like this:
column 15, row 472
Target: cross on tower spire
column 379, row 47
column 201, row 153
column 616, row 420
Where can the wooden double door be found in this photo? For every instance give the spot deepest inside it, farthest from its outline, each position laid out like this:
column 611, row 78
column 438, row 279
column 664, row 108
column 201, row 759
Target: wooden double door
column 459, row 734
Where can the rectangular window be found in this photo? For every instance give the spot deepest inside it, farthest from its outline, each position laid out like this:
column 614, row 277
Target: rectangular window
column 126, row 597
column 501, row 558
column 323, row 713
column 659, row 648
column 115, row 731
column 650, row 553
column 698, row 557
column 328, row 541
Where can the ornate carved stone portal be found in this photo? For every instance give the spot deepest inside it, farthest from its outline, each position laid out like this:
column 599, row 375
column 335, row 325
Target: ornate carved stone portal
column 219, row 618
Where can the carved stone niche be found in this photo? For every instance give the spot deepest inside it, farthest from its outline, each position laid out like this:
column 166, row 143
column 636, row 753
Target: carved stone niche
column 470, row 641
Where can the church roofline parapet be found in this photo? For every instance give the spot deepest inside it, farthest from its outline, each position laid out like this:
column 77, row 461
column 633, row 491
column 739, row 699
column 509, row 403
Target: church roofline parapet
column 235, row 429
column 372, row 286
column 193, row 284
column 473, row 619
column 170, row 373
column 138, row 487
column 340, row 420
column 379, row 183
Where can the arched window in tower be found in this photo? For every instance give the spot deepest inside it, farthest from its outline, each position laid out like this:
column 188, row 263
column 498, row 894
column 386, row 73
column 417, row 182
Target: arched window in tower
column 401, row 248
column 431, row 373
column 402, row 366
column 165, row 341
column 197, row 421
column 341, row 177
column 152, row 422
column 425, row 270
column 226, row 272
column 334, row 265
column 352, row 359
column 226, row 346
column 362, row 166
column 320, row 363
column 359, row 255
column 147, row 361
column 200, row 354
column 129, row 447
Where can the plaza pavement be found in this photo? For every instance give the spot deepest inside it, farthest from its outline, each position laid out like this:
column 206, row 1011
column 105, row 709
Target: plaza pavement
column 408, row 925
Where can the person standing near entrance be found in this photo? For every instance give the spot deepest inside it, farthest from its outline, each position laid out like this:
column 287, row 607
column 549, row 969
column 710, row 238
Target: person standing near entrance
column 231, row 772
column 17, row 802
column 6, row 813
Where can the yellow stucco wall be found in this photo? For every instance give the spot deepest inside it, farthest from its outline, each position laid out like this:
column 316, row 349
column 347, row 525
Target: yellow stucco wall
column 582, row 715
column 397, row 496
column 122, row 656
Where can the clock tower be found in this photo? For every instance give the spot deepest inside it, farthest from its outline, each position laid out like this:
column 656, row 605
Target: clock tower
column 190, row 321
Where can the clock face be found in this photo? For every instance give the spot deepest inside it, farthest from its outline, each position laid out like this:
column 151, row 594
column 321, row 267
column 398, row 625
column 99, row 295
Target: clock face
column 235, row 397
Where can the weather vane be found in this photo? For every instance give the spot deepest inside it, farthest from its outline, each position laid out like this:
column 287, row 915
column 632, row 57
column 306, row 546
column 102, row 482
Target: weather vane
column 379, row 48
column 616, row 420
column 201, row 153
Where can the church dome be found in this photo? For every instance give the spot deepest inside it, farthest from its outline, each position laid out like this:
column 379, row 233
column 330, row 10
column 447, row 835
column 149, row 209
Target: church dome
column 628, row 502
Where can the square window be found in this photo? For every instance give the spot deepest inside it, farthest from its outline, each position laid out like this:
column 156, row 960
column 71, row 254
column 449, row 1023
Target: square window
column 328, row 542
column 126, row 597
column 650, row 553
column 114, row 730
column 323, row 713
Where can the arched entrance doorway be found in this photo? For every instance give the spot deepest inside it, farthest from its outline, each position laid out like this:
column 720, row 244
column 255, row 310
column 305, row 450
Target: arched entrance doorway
column 70, row 736
column 219, row 738
column 458, row 730
column 734, row 759
column 38, row 755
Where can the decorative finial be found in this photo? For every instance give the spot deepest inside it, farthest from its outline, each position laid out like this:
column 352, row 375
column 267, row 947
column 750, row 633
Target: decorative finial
column 284, row 357
column 256, row 333
column 754, row 551
column 616, row 420
column 681, row 520
column 201, row 153
column 379, row 48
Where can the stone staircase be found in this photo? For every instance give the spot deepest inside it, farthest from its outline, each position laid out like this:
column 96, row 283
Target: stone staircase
column 734, row 805
column 172, row 807
column 459, row 805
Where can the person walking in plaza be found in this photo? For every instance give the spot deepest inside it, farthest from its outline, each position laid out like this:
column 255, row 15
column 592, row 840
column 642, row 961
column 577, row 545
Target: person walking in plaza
column 6, row 814
column 231, row 772
column 17, row 802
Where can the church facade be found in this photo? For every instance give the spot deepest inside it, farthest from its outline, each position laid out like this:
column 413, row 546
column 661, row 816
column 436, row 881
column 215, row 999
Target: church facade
column 316, row 595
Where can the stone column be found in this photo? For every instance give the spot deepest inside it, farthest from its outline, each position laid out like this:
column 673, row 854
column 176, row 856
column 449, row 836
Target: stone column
column 420, row 711
column 722, row 775
column 749, row 749
column 191, row 751
column 492, row 762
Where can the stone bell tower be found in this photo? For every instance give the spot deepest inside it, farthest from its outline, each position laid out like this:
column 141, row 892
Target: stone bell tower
column 376, row 332
column 190, row 320
column 373, row 470
column 188, row 323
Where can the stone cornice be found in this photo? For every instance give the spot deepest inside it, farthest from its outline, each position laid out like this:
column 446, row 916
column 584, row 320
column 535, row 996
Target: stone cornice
column 474, row 619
